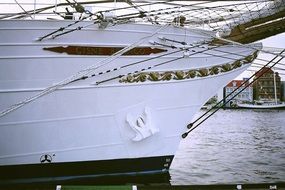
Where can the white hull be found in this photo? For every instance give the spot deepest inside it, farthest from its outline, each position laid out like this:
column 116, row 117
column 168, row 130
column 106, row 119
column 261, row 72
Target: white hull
column 118, row 119
column 90, row 123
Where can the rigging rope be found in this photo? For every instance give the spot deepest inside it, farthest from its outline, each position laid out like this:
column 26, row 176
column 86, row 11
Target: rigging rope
column 196, row 12
column 199, row 11
column 191, row 126
column 79, row 75
column 61, row 29
column 23, row 9
column 260, row 59
column 163, row 63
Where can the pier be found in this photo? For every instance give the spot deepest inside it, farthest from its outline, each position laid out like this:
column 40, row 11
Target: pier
column 180, row 187
column 262, row 186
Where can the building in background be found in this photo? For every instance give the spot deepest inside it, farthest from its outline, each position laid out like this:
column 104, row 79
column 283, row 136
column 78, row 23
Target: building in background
column 268, row 86
column 245, row 96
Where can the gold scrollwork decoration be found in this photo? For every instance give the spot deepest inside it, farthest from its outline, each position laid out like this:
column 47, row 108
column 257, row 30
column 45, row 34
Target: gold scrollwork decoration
column 189, row 74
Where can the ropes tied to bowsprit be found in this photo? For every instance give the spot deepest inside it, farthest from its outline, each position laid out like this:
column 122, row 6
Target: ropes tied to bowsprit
column 82, row 74
column 237, row 91
column 192, row 10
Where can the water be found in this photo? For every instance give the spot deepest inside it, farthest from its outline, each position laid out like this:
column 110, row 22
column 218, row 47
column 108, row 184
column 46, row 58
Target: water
column 233, row 146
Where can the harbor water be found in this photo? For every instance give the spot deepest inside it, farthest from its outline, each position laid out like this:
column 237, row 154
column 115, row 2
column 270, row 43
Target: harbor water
column 232, row 147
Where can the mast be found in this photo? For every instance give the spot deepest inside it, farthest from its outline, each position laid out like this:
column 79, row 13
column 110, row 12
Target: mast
column 275, row 90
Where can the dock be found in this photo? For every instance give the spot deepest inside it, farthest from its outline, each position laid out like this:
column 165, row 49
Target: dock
column 279, row 186
column 262, row 186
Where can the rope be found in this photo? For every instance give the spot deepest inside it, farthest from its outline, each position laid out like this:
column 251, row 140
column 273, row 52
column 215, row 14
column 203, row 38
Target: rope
column 174, row 47
column 81, row 74
column 232, row 53
column 190, row 126
column 23, row 9
column 145, row 60
column 163, row 63
column 120, row 76
column 228, row 15
column 220, row 20
column 61, row 29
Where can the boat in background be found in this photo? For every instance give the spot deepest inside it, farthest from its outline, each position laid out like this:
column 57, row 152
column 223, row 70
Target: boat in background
column 264, row 105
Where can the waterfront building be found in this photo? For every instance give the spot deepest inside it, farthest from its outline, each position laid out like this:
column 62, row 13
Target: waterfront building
column 267, row 87
column 245, row 96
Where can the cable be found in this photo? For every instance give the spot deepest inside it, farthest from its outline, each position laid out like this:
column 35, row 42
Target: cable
column 79, row 75
column 23, row 9
column 190, row 126
column 163, row 63
column 142, row 14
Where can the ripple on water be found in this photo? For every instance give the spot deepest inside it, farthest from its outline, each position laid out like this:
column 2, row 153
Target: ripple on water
column 234, row 146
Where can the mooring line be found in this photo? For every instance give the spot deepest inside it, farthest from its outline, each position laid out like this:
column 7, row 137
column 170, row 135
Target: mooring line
column 190, row 126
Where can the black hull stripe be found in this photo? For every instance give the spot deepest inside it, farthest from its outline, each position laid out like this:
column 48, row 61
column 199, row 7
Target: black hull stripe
column 49, row 172
column 72, row 179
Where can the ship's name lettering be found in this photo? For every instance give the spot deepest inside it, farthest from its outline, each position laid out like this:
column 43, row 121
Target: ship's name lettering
column 138, row 51
column 88, row 51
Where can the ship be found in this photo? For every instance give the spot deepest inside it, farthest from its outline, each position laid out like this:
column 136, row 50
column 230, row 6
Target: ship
column 104, row 95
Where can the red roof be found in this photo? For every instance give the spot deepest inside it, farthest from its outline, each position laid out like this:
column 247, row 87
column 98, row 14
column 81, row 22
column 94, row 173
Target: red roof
column 263, row 71
column 236, row 82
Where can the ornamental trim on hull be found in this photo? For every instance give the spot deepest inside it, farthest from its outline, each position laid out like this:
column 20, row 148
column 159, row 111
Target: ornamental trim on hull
column 188, row 74
column 89, row 50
